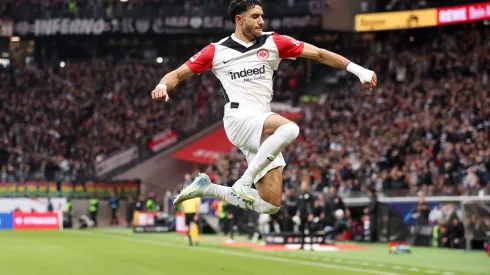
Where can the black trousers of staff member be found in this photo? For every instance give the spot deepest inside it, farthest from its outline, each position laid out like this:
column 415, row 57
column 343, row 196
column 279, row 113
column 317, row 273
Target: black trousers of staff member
column 306, row 225
column 114, row 219
column 189, row 217
column 93, row 217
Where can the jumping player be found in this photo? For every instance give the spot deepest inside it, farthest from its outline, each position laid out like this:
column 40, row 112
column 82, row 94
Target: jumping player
column 245, row 63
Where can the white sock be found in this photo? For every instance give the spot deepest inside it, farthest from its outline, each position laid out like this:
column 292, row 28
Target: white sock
column 270, row 149
column 226, row 193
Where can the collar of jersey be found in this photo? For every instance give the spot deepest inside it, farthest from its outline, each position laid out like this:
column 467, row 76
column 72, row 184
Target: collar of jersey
column 246, row 45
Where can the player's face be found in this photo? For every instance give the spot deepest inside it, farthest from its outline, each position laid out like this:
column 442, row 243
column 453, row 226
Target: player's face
column 253, row 21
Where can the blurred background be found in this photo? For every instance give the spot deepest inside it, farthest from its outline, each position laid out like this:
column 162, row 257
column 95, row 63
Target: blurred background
column 407, row 161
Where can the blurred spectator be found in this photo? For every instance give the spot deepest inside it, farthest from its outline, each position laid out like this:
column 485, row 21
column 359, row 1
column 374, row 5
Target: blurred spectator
column 421, row 211
column 456, row 234
column 114, row 206
column 475, row 230
column 333, row 202
column 130, row 208
column 373, row 211
column 339, row 227
column 443, row 238
column 305, row 212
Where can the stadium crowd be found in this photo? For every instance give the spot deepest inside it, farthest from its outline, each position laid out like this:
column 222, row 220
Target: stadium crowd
column 398, row 5
column 29, row 9
column 66, row 121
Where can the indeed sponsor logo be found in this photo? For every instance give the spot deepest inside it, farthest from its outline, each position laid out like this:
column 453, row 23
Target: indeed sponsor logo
column 249, row 74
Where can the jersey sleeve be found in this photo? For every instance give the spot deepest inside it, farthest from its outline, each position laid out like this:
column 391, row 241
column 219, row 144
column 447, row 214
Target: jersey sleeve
column 288, row 47
column 202, row 60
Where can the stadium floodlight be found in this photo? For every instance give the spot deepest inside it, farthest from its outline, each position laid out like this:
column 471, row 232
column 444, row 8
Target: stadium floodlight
column 14, row 39
column 124, row 0
column 62, row 64
column 159, row 60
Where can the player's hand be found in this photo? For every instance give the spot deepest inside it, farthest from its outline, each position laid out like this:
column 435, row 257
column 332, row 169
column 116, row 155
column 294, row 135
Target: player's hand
column 160, row 93
column 369, row 79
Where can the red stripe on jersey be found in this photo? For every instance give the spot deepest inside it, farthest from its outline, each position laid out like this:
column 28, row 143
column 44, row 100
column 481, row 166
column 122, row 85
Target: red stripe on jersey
column 288, row 47
column 202, row 60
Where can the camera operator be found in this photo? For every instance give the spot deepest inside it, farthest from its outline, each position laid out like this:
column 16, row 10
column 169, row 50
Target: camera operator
column 305, row 211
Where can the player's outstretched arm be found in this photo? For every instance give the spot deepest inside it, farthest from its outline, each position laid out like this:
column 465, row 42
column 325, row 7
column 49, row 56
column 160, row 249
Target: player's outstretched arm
column 367, row 77
column 170, row 81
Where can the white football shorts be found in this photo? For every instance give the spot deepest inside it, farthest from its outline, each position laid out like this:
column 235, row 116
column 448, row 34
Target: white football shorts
column 243, row 127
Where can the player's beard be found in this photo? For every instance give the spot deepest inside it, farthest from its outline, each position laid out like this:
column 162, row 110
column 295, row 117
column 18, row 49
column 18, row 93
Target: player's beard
column 250, row 31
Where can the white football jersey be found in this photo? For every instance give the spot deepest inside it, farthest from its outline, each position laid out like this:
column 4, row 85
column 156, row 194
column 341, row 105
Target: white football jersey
column 246, row 71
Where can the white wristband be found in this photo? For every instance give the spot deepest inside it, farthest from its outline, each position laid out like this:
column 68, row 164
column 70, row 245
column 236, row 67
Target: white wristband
column 363, row 74
column 162, row 85
column 354, row 68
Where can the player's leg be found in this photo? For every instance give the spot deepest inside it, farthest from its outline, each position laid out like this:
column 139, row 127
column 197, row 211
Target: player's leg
column 202, row 187
column 277, row 133
column 269, row 188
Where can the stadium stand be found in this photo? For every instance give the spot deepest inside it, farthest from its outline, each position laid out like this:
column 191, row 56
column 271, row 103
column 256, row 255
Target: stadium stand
column 399, row 5
column 29, row 9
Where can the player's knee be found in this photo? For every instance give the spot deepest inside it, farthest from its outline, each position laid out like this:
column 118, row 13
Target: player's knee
column 269, row 207
column 289, row 130
column 273, row 210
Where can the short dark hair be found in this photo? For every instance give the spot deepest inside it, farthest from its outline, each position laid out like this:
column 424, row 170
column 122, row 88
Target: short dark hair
column 239, row 6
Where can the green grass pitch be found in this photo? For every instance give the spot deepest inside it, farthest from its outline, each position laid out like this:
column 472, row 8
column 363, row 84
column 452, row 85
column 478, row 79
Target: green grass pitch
column 121, row 252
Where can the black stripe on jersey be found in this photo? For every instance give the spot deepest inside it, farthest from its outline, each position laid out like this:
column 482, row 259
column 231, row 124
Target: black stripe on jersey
column 225, row 95
column 232, row 44
column 227, row 99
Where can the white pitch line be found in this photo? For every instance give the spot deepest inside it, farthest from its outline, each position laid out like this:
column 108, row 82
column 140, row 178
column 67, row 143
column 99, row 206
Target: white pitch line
column 380, row 265
column 414, row 269
column 365, row 263
column 448, row 273
column 397, row 267
column 430, row 271
column 238, row 254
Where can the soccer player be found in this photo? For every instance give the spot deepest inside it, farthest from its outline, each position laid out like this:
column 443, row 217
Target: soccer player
column 245, row 63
